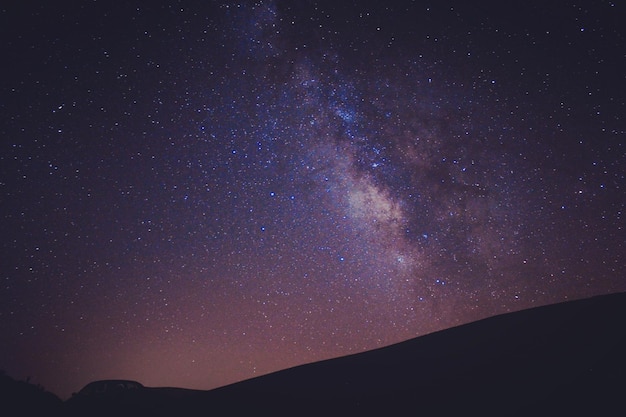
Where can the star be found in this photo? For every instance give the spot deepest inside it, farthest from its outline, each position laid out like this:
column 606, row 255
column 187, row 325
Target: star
column 232, row 189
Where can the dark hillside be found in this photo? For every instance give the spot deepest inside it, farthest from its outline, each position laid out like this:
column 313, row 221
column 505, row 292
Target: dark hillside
column 20, row 398
column 564, row 358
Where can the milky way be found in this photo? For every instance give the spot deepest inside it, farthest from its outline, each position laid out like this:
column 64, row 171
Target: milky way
column 199, row 193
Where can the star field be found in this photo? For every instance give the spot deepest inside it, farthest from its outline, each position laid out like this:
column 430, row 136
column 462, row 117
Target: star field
column 195, row 193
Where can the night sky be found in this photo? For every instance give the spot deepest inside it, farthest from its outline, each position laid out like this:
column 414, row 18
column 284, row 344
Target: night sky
column 196, row 193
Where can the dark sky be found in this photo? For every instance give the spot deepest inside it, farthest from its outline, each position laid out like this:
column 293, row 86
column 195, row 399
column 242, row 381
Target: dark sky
column 195, row 193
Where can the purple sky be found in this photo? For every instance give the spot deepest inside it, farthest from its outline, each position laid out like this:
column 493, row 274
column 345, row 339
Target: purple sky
column 197, row 193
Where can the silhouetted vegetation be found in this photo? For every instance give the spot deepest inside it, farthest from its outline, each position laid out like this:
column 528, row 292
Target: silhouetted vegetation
column 21, row 398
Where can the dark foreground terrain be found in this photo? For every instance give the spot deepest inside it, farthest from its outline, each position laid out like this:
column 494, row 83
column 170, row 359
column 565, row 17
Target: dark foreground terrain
column 564, row 359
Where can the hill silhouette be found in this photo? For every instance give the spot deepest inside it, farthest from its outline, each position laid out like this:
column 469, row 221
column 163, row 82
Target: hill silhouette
column 21, row 398
column 568, row 358
column 562, row 359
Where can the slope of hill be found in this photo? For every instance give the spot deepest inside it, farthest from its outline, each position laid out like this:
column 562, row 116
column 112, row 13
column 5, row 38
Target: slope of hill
column 20, row 398
column 568, row 358
column 563, row 359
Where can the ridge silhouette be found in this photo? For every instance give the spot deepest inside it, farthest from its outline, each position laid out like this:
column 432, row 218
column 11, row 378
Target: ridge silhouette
column 560, row 359
column 566, row 358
